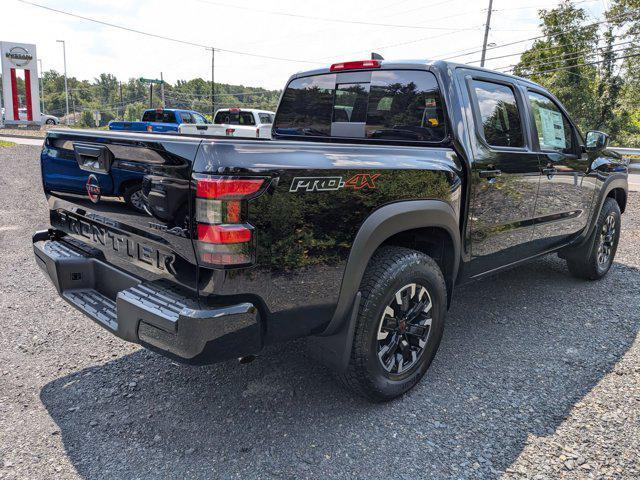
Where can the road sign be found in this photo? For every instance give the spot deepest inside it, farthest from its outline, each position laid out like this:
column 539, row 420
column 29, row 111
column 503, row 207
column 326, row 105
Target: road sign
column 151, row 80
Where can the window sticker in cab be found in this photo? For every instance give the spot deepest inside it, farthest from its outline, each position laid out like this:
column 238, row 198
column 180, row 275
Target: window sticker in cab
column 552, row 128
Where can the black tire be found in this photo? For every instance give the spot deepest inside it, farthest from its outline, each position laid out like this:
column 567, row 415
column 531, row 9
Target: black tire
column 129, row 198
column 390, row 270
column 50, row 121
column 588, row 261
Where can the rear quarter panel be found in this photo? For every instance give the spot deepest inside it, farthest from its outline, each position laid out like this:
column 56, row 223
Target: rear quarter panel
column 304, row 234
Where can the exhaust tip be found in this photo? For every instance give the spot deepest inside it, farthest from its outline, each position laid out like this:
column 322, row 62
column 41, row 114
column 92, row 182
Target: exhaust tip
column 246, row 359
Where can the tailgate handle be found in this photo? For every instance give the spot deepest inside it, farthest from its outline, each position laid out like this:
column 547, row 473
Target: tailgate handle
column 93, row 158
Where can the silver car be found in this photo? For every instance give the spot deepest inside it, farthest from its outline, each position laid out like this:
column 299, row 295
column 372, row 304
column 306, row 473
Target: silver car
column 44, row 118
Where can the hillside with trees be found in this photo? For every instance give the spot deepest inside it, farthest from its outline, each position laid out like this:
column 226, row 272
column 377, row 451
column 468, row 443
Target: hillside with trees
column 116, row 99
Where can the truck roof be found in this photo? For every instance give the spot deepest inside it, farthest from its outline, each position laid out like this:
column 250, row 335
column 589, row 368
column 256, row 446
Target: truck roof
column 424, row 64
column 255, row 110
column 170, row 110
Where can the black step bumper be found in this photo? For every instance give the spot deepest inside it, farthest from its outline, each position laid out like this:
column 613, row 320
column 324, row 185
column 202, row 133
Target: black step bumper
column 153, row 314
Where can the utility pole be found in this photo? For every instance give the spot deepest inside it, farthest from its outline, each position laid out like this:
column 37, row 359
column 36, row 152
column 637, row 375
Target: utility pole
column 41, row 87
column 66, row 90
column 213, row 83
column 73, row 102
column 162, row 90
column 151, row 95
column 486, row 33
column 121, row 102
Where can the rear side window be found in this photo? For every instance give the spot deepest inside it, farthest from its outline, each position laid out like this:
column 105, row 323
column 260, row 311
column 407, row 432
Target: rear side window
column 235, row 118
column 499, row 114
column 553, row 128
column 158, row 116
column 400, row 105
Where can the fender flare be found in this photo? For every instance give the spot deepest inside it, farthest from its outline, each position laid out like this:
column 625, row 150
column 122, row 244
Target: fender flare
column 333, row 345
column 618, row 180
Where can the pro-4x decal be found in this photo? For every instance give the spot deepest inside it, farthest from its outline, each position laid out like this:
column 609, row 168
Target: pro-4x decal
column 325, row 184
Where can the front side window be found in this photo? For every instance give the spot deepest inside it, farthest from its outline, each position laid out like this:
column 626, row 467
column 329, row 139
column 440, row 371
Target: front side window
column 199, row 119
column 186, row 117
column 399, row 105
column 553, row 129
column 499, row 114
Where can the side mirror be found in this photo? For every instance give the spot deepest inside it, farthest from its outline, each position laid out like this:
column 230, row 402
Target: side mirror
column 596, row 140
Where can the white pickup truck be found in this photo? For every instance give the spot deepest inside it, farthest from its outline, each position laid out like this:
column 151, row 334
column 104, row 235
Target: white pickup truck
column 234, row 122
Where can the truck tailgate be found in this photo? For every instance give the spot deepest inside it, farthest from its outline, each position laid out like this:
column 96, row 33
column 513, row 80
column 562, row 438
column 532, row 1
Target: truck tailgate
column 84, row 203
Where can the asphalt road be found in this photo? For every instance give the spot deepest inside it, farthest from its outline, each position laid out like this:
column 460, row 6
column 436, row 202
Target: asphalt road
column 22, row 140
column 537, row 377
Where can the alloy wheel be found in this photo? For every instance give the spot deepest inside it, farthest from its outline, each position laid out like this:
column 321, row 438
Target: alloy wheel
column 607, row 239
column 137, row 200
column 404, row 328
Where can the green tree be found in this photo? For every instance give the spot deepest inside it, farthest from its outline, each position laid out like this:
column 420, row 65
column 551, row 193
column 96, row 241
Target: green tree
column 133, row 111
column 625, row 16
column 559, row 61
column 595, row 74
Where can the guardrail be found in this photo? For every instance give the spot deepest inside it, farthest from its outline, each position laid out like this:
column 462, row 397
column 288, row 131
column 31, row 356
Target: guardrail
column 632, row 155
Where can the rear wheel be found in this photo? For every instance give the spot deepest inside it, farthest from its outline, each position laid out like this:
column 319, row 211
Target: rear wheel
column 399, row 323
column 134, row 197
column 593, row 260
column 50, row 121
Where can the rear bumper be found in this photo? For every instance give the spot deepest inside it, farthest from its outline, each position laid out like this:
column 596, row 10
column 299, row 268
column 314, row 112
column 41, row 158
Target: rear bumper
column 153, row 314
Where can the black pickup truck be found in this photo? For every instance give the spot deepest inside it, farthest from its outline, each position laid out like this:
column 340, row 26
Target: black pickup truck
column 386, row 185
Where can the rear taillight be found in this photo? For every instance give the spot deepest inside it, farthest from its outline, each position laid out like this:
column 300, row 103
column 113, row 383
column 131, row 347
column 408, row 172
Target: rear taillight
column 229, row 132
column 149, row 128
column 224, row 236
column 257, row 132
column 357, row 65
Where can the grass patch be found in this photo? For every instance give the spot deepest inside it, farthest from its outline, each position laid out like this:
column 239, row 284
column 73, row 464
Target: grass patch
column 4, row 143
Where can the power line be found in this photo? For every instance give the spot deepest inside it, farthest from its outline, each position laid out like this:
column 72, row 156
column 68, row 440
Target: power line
column 534, row 38
column 560, row 45
column 578, row 65
column 528, row 7
column 564, row 57
column 380, row 47
column 207, row 95
column 162, row 37
column 322, row 19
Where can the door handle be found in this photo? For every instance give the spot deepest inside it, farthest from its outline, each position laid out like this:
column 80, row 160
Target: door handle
column 489, row 173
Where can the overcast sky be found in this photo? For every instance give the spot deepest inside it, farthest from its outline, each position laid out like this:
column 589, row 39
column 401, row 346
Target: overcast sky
column 419, row 29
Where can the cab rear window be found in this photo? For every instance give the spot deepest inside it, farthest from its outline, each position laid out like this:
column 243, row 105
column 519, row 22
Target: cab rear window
column 234, row 118
column 158, row 116
column 398, row 105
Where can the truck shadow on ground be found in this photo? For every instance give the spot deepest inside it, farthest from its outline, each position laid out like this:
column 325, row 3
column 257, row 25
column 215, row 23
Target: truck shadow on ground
column 519, row 351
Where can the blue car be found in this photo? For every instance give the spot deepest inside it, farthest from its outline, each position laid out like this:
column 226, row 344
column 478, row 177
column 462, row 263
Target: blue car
column 160, row 120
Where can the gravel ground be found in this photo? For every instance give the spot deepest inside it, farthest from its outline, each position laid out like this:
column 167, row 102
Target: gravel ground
column 537, row 377
column 29, row 132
